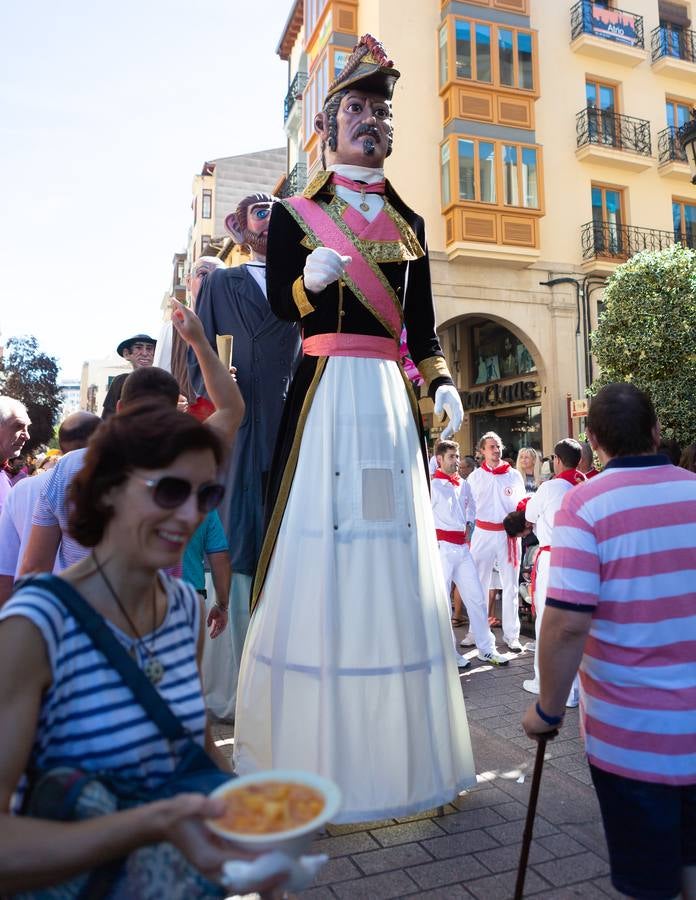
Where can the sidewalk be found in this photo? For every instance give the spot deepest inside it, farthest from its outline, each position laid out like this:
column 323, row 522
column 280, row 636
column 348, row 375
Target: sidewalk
column 473, row 850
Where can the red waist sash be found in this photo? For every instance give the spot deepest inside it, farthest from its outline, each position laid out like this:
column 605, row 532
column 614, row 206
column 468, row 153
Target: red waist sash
column 452, row 537
column 513, row 547
column 490, row 526
column 361, row 345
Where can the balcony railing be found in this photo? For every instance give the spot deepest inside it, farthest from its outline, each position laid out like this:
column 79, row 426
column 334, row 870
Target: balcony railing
column 669, row 148
column 299, row 82
column 676, row 43
column 612, row 24
column 608, row 240
column 296, row 181
column 598, row 126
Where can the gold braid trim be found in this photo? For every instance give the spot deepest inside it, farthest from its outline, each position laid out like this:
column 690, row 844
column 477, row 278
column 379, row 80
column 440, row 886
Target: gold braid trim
column 433, row 367
column 299, row 295
column 271, row 536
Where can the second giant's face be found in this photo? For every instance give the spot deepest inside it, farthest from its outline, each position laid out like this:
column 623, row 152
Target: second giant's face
column 256, row 233
column 364, row 130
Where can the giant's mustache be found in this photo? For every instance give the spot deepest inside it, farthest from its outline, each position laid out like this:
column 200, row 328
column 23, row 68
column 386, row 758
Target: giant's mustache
column 370, row 130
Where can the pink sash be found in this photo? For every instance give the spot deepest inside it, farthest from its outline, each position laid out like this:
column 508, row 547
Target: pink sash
column 369, row 286
column 362, row 345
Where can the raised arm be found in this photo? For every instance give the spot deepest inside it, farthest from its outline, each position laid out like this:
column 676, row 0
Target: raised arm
column 220, row 386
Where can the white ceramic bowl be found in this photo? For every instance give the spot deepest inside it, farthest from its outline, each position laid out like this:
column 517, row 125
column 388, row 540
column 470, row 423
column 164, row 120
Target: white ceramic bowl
column 295, row 841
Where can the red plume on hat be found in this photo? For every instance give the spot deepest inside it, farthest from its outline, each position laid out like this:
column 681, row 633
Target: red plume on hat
column 367, row 67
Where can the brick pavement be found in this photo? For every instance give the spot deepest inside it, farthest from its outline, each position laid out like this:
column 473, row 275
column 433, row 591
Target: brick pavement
column 473, row 849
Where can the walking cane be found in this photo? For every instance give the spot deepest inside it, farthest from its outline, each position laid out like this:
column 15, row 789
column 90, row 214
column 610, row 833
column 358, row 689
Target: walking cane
column 531, row 812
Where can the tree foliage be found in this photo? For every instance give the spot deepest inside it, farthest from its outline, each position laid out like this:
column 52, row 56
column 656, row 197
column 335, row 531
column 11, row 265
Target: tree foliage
column 31, row 376
column 647, row 334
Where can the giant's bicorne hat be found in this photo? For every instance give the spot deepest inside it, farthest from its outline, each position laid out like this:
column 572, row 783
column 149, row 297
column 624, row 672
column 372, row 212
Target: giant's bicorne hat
column 367, row 67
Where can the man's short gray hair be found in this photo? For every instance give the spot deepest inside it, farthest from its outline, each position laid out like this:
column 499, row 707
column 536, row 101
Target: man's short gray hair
column 10, row 407
column 214, row 261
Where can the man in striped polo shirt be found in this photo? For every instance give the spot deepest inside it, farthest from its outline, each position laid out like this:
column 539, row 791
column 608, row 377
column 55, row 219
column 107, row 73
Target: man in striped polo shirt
column 621, row 603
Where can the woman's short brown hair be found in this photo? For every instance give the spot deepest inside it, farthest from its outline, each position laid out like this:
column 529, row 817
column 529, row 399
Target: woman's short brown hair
column 144, row 436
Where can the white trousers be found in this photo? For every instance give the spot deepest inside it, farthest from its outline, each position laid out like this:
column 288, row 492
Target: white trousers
column 540, row 589
column 487, row 548
column 222, row 657
column 458, row 567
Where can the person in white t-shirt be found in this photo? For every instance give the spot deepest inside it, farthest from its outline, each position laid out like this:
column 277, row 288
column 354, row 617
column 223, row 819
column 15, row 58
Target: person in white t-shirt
column 497, row 489
column 454, row 513
column 540, row 512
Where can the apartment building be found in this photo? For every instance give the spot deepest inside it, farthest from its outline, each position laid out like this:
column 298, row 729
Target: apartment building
column 538, row 140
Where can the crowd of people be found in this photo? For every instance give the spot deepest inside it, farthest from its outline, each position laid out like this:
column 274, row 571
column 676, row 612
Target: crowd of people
column 348, row 546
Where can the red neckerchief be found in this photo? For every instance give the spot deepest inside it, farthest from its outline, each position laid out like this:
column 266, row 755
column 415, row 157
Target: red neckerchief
column 499, row 470
column 572, row 476
column 358, row 186
column 453, row 479
column 591, row 474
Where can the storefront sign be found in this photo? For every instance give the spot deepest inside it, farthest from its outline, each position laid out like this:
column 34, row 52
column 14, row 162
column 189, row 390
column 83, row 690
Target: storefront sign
column 579, row 408
column 498, row 394
column 614, row 24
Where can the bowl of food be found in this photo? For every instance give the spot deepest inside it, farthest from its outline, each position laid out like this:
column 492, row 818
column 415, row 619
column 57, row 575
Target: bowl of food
column 275, row 810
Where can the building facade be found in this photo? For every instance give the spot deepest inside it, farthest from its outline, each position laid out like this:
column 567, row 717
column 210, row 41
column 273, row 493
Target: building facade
column 97, row 375
column 538, row 140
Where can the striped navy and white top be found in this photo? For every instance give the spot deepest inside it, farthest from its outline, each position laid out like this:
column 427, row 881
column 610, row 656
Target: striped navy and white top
column 89, row 718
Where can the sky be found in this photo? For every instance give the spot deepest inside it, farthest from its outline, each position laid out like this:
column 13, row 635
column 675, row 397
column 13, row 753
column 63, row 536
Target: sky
column 107, row 111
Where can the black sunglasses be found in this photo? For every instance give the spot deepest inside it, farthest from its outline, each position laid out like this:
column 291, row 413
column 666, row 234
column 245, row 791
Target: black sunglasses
column 169, row 492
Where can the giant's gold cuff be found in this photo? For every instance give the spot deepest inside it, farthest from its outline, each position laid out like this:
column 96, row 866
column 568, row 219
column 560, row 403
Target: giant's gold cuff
column 299, row 295
column 433, row 367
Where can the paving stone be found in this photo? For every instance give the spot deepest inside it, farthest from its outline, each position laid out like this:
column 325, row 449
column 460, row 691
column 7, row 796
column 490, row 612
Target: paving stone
column 512, row 810
column 582, row 775
column 570, row 763
column 502, row 887
column 376, row 887
column 511, row 832
column 427, row 814
column 447, row 871
column 340, row 869
column 584, row 866
column 398, row 857
column 450, row 892
column 480, row 796
column 410, row 831
column 489, row 712
column 318, row 893
column 509, row 731
column 469, row 819
column 503, row 859
column 604, row 884
column 336, row 830
column 586, row 890
column 346, row 844
column 459, row 844
column 561, row 845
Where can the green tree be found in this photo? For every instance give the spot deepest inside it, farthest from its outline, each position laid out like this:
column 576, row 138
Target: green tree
column 647, row 334
column 29, row 375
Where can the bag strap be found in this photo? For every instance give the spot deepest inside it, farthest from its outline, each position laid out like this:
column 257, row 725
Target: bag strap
column 94, row 625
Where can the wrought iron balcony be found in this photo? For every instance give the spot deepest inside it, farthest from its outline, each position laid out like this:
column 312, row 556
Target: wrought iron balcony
column 676, row 43
column 598, row 126
column 669, row 148
column 613, row 25
column 608, row 240
column 299, row 82
column 295, row 182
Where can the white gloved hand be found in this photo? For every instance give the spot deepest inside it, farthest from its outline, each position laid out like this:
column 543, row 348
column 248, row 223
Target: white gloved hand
column 447, row 400
column 293, row 874
column 323, row 266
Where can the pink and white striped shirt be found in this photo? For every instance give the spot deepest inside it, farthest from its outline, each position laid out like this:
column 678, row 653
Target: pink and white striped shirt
column 624, row 547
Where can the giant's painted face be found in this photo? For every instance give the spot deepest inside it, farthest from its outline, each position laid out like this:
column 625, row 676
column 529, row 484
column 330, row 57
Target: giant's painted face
column 364, row 130
column 257, row 221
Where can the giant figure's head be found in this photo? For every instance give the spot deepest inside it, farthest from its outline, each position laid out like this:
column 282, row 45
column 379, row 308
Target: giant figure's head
column 248, row 224
column 355, row 124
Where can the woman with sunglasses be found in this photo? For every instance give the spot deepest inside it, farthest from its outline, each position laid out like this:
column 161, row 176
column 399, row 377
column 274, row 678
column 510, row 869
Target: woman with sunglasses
column 149, row 478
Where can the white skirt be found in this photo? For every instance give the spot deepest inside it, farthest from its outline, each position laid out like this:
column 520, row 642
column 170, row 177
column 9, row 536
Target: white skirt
column 348, row 668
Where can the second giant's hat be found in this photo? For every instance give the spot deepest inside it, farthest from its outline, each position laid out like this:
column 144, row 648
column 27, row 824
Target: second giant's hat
column 368, row 67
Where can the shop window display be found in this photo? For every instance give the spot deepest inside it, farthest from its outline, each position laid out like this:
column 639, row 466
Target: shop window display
column 498, row 353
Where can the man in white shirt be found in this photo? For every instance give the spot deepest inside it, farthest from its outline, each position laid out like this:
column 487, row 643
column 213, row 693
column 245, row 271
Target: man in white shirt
column 540, row 512
column 454, row 513
column 497, row 489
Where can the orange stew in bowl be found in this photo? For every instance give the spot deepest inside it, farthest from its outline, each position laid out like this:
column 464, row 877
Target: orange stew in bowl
column 269, row 806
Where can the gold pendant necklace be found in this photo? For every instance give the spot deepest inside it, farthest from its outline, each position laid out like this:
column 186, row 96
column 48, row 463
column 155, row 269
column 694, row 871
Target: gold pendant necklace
column 364, row 205
column 153, row 668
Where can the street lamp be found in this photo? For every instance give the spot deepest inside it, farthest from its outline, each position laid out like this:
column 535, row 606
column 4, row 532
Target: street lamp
column 687, row 138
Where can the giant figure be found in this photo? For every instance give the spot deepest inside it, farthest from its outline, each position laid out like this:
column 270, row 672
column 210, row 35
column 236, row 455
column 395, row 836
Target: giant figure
column 348, row 667
column 265, row 354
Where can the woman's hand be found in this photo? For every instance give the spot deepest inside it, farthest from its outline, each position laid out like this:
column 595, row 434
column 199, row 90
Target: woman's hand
column 217, row 620
column 185, row 828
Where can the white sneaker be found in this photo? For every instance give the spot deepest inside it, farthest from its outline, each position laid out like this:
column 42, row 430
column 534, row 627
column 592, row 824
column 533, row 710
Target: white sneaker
column 462, row 661
column 515, row 646
column 467, row 640
column 573, row 699
column 531, row 686
column 494, row 658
